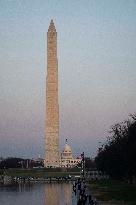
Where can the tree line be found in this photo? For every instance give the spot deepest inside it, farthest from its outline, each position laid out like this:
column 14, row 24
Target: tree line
column 14, row 162
column 117, row 157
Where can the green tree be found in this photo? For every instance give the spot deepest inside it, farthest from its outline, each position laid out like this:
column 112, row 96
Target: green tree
column 118, row 156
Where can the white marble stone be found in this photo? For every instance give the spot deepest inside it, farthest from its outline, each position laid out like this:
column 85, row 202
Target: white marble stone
column 52, row 156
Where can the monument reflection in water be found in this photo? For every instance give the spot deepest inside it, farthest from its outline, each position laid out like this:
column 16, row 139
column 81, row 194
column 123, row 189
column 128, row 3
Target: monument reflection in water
column 58, row 194
column 38, row 194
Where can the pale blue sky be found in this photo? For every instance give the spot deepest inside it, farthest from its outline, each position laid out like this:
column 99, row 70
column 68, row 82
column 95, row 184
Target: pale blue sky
column 97, row 71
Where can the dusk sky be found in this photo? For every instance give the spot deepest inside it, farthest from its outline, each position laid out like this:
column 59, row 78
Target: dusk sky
column 97, row 71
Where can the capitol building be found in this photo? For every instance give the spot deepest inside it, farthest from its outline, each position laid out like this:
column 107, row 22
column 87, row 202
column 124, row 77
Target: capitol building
column 67, row 159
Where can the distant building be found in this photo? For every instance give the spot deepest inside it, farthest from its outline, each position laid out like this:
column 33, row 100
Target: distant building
column 67, row 159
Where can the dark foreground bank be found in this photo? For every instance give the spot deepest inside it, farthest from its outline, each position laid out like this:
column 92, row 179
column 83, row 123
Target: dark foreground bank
column 113, row 190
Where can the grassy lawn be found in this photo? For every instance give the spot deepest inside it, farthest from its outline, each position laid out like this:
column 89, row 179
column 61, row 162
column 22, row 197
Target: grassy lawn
column 114, row 190
column 41, row 172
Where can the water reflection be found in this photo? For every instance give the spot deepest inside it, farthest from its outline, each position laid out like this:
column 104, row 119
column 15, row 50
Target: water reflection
column 58, row 194
column 38, row 194
column 67, row 193
column 51, row 194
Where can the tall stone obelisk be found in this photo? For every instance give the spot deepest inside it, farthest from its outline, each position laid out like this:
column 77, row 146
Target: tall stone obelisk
column 52, row 158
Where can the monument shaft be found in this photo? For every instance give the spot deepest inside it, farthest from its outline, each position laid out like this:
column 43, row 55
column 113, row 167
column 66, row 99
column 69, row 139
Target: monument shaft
column 52, row 106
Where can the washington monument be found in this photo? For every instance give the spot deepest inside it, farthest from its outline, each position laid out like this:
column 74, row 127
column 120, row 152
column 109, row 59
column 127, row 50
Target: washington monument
column 52, row 157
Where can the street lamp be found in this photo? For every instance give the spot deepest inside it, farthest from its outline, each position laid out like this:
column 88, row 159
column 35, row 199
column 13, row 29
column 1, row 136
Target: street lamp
column 83, row 163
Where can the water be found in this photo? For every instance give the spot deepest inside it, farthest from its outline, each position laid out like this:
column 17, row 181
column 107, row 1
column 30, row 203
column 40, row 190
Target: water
column 38, row 194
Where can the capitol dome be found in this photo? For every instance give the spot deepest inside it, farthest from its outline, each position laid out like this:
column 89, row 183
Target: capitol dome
column 67, row 159
column 67, row 149
column 67, row 152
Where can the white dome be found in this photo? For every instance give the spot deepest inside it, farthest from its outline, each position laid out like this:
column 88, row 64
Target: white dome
column 67, row 152
column 67, row 149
